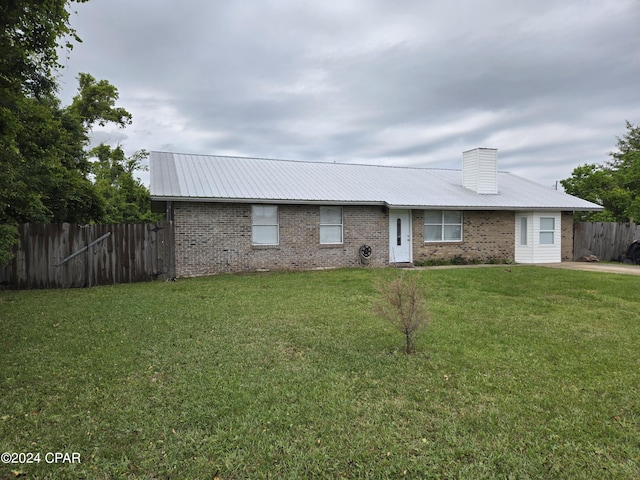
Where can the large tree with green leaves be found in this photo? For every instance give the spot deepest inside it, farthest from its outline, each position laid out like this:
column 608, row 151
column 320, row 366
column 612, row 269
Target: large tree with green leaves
column 46, row 167
column 614, row 184
column 126, row 199
column 46, row 172
column 30, row 34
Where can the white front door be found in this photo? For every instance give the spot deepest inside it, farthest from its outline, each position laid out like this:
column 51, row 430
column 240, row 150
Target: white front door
column 399, row 236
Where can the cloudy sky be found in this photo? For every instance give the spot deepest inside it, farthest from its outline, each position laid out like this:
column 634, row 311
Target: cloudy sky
column 412, row 83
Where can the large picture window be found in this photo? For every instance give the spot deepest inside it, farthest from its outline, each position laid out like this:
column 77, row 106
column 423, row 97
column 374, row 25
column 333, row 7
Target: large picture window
column 330, row 224
column 443, row 226
column 547, row 230
column 264, row 224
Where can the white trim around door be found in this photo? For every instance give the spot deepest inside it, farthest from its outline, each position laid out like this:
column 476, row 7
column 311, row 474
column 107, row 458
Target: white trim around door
column 400, row 248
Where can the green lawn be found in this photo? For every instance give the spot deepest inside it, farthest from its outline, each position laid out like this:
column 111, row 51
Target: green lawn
column 525, row 372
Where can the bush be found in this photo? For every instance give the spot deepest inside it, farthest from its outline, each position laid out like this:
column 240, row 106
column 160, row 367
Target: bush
column 460, row 260
column 8, row 239
column 403, row 304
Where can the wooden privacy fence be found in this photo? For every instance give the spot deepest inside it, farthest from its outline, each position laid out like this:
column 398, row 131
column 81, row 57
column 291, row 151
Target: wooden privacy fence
column 68, row 255
column 605, row 240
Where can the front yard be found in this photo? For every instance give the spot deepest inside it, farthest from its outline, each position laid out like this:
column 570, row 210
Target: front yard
column 525, row 372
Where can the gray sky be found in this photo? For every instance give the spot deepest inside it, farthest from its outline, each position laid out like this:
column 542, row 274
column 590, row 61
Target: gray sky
column 412, row 83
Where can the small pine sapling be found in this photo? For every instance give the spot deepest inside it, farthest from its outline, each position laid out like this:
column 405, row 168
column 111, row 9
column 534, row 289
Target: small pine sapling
column 403, row 303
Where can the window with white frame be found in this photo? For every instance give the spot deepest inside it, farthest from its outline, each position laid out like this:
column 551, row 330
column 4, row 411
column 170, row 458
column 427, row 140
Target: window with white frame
column 264, row 224
column 330, row 224
column 547, row 230
column 442, row 225
column 524, row 234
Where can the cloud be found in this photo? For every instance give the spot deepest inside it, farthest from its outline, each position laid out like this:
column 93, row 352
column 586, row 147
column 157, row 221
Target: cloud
column 549, row 84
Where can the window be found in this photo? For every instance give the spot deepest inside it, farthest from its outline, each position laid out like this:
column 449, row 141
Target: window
column 547, row 230
column 330, row 224
column 264, row 224
column 442, row 226
column 524, row 234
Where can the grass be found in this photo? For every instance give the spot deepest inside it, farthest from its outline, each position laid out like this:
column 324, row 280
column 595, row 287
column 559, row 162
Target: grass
column 525, row 372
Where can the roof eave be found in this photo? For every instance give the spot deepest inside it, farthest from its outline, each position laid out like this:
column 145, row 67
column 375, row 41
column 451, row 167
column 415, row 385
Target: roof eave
column 280, row 201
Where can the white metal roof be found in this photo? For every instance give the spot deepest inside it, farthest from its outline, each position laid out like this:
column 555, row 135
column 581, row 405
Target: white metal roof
column 209, row 178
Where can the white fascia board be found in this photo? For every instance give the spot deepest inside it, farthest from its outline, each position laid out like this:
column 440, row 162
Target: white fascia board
column 375, row 203
column 494, row 208
column 265, row 200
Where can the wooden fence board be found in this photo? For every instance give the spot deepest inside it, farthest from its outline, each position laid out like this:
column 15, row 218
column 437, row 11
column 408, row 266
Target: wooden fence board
column 127, row 253
column 605, row 240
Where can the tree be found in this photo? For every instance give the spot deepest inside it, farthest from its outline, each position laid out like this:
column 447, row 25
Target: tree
column 614, row 184
column 30, row 35
column 125, row 198
column 626, row 162
column 50, row 171
column 45, row 171
column 96, row 103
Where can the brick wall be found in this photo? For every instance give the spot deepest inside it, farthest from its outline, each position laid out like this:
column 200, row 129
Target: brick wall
column 566, row 231
column 486, row 235
column 216, row 237
column 212, row 238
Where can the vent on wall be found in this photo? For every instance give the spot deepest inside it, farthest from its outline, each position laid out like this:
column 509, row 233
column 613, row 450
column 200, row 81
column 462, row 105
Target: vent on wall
column 480, row 170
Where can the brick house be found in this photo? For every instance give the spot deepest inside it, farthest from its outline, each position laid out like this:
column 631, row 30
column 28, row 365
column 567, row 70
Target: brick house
column 234, row 214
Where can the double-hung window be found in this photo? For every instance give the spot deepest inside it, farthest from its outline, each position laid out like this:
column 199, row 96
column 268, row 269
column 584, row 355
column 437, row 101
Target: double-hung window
column 547, row 230
column 330, row 224
column 264, row 224
column 443, row 226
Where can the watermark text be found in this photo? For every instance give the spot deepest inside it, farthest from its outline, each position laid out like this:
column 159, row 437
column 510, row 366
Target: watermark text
column 38, row 457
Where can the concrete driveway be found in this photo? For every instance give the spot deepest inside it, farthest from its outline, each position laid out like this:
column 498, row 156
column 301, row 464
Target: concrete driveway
column 587, row 266
column 597, row 267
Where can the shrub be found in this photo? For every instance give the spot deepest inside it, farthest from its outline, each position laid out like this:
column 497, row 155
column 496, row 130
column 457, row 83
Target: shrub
column 403, row 304
column 8, row 239
column 460, row 260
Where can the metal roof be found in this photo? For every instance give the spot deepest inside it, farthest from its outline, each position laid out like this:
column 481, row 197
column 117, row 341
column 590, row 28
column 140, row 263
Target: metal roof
column 210, row 178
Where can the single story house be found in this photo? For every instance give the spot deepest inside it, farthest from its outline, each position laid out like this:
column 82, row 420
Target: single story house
column 234, row 214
